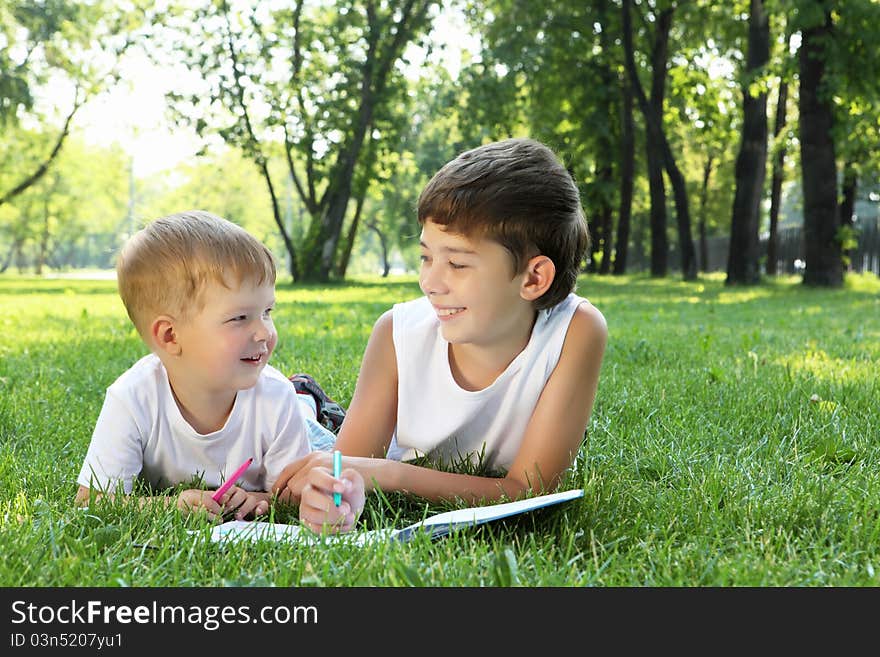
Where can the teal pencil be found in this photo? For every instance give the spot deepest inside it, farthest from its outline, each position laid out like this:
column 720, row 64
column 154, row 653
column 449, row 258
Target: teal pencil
column 337, row 471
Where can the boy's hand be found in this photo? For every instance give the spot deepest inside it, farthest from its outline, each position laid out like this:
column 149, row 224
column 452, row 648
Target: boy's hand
column 236, row 501
column 295, row 476
column 316, row 508
column 241, row 504
column 195, row 500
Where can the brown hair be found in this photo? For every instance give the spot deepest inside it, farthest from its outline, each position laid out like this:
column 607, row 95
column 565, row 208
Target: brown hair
column 517, row 193
column 163, row 268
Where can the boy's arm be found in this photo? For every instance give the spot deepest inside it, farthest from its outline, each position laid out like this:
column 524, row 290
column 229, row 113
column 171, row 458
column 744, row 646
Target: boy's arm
column 559, row 422
column 372, row 414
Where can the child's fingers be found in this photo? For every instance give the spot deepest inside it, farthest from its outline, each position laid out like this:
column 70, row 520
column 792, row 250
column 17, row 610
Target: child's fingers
column 318, row 511
column 233, row 498
column 252, row 506
column 261, row 507
column 195, row 501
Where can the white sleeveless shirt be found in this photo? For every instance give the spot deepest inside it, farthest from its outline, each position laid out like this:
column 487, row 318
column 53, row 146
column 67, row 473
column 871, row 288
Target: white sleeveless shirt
column 438, row 419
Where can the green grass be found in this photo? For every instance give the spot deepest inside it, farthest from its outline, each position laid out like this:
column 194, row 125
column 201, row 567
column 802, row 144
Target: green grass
column 735, row 442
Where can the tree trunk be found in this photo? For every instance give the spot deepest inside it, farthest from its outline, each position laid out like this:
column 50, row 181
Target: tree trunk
column 657, row 191
column 776, row 182
column 606, row 145
column 657, row 194
column 43, row 167
column 701, row 222
column 8, row 259
column 383, row 243
column 352, row 234
column 659, row 57
column 279, row 221
column 43, row 246
column 824, row 266
column 653, row 113
column 743, row 266
column 847, row 208
column 254, row 148
column 659, row 60
column 682, row 215
column 627, row 172
column 605, row 176
column 323, row 238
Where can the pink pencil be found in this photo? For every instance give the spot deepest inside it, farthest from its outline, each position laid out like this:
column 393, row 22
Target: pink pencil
column 229, row 482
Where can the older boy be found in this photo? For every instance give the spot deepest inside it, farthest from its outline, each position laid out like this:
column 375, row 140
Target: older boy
column 200, row 291
column 498, row 364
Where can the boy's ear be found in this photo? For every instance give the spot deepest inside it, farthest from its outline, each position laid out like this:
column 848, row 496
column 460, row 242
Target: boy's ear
column 539, row 275
column 163, row 335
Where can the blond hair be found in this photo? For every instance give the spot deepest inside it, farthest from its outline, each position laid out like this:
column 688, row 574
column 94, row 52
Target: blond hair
column 165, row 266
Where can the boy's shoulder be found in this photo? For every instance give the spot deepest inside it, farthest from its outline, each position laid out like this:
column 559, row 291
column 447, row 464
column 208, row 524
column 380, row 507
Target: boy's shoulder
column 587, row 330
column 273, row 383
column 272, row 376
column 146, row 369
column 589, row 316
column 142, row 386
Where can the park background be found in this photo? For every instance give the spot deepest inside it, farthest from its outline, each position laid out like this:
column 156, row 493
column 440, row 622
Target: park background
column 316, row 124
column 727, row 158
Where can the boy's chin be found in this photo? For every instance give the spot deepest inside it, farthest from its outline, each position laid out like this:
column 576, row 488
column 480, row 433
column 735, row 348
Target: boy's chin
column 452, row 336
column 248, row 382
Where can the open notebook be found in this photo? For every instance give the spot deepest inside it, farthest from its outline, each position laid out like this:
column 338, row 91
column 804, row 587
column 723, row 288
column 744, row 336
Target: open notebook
column 437, row 525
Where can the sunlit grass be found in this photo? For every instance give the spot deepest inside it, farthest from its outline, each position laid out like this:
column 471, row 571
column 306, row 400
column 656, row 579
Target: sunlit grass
column 735, row 441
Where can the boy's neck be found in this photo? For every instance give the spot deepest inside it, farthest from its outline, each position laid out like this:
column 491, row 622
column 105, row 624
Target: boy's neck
column 203, row 411
column 476, row 366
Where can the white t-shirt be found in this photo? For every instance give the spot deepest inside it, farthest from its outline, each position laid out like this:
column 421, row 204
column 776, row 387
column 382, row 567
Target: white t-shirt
column 438, row 419
column 140, row 432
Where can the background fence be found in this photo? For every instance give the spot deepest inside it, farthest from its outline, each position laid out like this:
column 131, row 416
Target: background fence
column 790, row 251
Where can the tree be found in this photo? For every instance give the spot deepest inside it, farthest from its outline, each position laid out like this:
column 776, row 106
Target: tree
column 743, row 257
column 551, row 70
column 659, row 152
column 824, row 261
column 53, row 44
column 71, row 216
column 304, row 83
column 627, row 173
column 779, row 152
column 856, row 110
column 429, row 137
column 225, row 183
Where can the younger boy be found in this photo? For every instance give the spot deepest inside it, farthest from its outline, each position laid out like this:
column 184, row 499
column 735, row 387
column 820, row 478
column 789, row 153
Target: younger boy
column 200, row 291
column 498, row 364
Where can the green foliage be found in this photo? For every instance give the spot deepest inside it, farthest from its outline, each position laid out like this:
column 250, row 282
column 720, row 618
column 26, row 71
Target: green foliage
column 74, row 215
column 551, row 70
column 319, row 86
column 54, row 56
column 732, row 444
column 223, row 182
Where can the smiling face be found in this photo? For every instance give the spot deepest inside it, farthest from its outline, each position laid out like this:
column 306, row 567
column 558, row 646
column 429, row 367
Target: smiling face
column 226, row 345
column 473, row 288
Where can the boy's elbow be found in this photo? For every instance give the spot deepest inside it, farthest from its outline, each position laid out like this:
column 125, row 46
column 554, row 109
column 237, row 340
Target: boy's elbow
column 515, row 487
column 84, row 494
column 529, row 484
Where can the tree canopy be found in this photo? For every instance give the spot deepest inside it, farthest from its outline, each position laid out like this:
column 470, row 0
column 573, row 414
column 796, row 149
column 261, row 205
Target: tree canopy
column 334, row 114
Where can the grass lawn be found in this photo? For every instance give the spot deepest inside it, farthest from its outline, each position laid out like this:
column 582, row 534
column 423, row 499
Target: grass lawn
column 735, row 442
